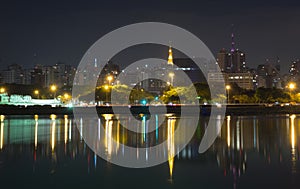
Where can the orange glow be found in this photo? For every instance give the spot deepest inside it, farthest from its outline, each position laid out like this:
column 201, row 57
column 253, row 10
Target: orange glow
column 293, row 138
column 292, row 86
column 171, row 144
column 36, row 132
column 2, row 90
column 53, row 135
column 228, row 131
column 53, row 88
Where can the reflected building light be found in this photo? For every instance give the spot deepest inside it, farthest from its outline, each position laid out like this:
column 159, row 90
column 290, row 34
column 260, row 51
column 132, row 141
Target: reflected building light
column 171, row 145
column 238, row 135
column 70, row 130
column 108, row 134
column 36, row 131
column 156, row 128
column 2, row 117
column 81, row 127
column 293, row 144
column 228, row 131
column 95, row 160
column 66, row 128
column 99, row 128
column 144, row 128
column 53, row 133
column 53, row 117
column 219, row 126
column 184, row 153
column 293, row 130
column 189, row 153
column 118, row 136
column 242, row 135
column 254, row 133
column 257, row 136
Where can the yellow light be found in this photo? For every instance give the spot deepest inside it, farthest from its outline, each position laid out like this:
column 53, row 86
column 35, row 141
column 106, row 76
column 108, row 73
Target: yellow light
column 109, row 78
column 228, row 131
column 228, row 87
column 36, row 131
column 53, row 135
column 53, row 88
column 106, row 87
column 2, row 117
column 171, row 144
column 293, row 140
column 2, row 90
column 36, row 92
column 292, row 86
column 66, row 96
column 66, row 128
column 53, row 116
column 36, row 117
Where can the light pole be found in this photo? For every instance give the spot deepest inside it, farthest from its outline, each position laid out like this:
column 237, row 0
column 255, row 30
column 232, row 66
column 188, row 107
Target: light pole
column 66, row 97
column 227, row 89
column 109, row 79
column 291, row 86
column 53, row 88
column 37, row 93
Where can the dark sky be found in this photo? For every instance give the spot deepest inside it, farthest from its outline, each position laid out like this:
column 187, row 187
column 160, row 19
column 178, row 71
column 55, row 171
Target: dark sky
column 46, row 32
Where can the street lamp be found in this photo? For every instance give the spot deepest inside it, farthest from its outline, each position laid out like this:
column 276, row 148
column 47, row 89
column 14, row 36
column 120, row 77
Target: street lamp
column 66, row 96
column 106, row 87
column 291, row 86
column 53, row 88
column 2, row 90
column 37, row 93
column 109, row 79
column 227, row 89
column 171, row 75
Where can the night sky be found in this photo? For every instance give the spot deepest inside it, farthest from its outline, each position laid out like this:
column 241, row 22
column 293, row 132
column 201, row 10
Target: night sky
column 46, row 32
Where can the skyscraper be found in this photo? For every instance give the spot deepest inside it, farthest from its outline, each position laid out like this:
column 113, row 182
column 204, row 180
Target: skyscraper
column 233, row 61
column 222, row 60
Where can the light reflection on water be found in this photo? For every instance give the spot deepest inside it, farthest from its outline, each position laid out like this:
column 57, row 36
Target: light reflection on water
column 274, row 140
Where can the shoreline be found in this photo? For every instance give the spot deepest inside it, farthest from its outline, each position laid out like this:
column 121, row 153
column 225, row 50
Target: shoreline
column 204, row 109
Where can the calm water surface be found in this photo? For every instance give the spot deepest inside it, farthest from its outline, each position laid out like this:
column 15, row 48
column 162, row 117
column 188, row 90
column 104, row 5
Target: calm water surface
column 250, row 152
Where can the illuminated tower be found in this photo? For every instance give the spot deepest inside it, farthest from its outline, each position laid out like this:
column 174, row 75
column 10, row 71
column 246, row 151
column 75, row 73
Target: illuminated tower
column 232, row 43
column 170, row 58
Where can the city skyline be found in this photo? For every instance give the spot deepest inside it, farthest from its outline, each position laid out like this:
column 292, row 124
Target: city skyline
column 46, row 33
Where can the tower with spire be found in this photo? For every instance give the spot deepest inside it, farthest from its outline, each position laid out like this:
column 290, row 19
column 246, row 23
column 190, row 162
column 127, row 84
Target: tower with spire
column 232, row 43
column 170, row 57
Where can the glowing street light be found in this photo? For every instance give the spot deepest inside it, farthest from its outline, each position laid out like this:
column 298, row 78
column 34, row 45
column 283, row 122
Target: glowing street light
column 37, row 93
column 2, row 90
column 53, row 88
column 227, row 89
column 66, row 96
column 109, row 79
column 291, row 86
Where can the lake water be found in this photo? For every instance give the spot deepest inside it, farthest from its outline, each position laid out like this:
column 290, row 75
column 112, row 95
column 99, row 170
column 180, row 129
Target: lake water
column 250, row 152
